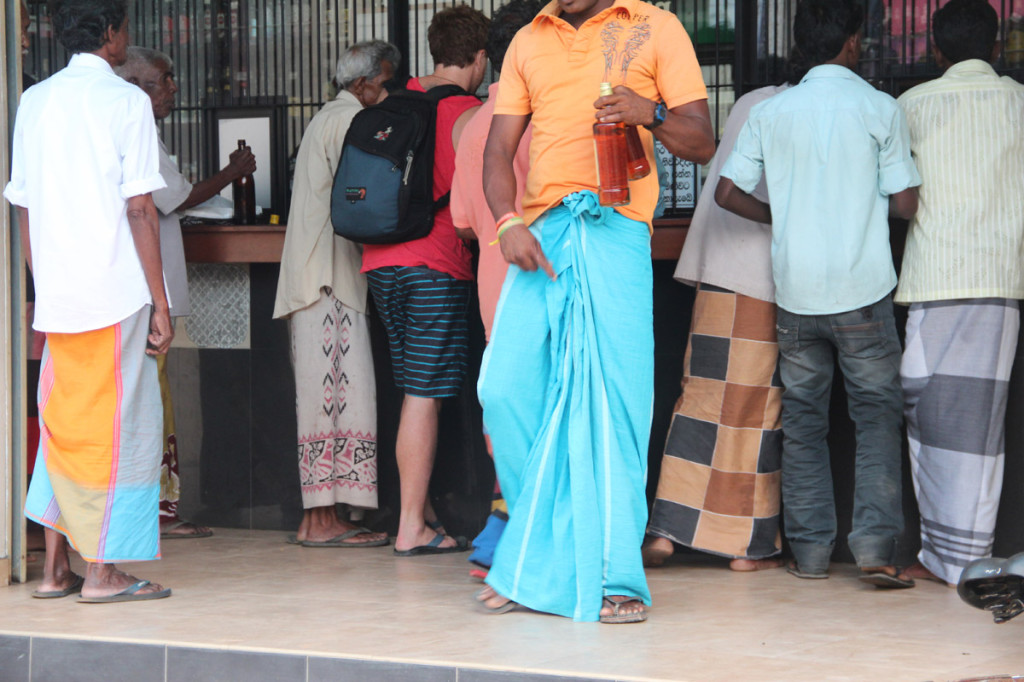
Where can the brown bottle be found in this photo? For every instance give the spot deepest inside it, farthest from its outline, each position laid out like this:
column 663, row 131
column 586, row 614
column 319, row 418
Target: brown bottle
column 637, row 157
column 612, row 157
column 243, row 192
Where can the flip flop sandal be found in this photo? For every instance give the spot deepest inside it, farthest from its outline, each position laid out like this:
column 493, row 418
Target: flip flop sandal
column 433, row 547
column 292, row 539
column 340, row 540
column 493, row 610
column 615, row 618
column 73, row 588
column 166, row 534
column 130, row 593
column 883, row 580
column 794, row 569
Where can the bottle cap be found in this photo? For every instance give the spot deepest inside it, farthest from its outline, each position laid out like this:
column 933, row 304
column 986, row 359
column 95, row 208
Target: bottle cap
column 606, row 89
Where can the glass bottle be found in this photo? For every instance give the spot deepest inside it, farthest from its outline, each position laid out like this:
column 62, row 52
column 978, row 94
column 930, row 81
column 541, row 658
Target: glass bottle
column 243, row 191
column 611, row 154
column 637, row 163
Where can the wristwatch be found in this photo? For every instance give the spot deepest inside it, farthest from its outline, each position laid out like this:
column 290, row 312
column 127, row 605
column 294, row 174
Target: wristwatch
column 660, row 112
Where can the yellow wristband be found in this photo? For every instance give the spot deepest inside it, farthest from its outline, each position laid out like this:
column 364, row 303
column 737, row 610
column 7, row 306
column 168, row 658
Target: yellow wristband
column 510, row 222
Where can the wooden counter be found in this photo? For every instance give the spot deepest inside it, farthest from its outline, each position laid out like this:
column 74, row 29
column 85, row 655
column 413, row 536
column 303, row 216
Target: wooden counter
column 264, row 243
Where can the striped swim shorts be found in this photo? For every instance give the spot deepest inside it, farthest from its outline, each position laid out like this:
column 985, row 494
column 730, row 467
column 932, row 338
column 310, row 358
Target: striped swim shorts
column 424, row 313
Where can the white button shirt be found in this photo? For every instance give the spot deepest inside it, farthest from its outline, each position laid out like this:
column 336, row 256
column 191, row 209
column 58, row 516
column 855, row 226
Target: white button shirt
column 84, row 142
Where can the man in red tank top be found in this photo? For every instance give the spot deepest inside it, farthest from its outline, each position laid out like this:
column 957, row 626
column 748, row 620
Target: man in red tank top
column 421, row 289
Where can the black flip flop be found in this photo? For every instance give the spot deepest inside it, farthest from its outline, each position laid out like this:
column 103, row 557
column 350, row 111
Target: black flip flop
column 74, row 588
column 883, row 580
column 433, row 547
column 130, row 593
column 340, row 541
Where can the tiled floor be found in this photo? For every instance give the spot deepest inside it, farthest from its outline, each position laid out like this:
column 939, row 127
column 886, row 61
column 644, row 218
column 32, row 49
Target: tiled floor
column 250, row 592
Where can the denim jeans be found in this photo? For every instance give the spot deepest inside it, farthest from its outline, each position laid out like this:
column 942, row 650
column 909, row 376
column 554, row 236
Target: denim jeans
column 869, row 357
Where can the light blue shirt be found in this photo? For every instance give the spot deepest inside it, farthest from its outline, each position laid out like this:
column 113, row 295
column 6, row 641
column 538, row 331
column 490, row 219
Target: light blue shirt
column 832, row 150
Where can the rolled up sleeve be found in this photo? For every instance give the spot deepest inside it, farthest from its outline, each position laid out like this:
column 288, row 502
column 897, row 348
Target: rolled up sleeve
column 16, row 191
column 140, row 150
column 745, row 164
column 896, row 169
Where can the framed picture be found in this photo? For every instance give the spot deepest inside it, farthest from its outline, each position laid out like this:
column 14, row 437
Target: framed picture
column 262, row 127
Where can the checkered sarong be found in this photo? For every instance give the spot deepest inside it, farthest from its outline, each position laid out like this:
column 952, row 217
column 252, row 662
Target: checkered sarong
column 720, row 474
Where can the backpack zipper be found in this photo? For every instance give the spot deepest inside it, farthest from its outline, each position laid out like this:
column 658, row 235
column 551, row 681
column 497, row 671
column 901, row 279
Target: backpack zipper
column 408, row 168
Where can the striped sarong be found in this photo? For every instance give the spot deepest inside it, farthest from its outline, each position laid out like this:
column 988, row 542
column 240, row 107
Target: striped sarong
column 955, row 374
column 567, row 386
column 719, row 486
column 424, row 313
column 335, row 404
column 97, row 472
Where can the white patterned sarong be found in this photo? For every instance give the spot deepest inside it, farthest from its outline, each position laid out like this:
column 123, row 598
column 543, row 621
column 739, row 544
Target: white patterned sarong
column 955, row 374
column 336, row 404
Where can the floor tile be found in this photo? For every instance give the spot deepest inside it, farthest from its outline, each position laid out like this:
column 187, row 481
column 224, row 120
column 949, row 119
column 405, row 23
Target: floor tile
column 247, row 592
column 14, row 658
column 189, row 665
column 56, row 660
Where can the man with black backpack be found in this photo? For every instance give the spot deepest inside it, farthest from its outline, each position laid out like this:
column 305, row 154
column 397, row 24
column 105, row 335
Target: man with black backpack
column 421, row 287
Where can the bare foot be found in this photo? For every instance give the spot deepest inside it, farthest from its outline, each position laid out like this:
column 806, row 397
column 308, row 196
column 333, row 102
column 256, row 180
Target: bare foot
column 409, row 538
column 491, row 601
column 321, row 524
column 747, row 565
column 656, row 550
column 886, row 577
column 919, row 572
column 104, row 580
column 185, row 529
column 60, row 582
column 622, row 609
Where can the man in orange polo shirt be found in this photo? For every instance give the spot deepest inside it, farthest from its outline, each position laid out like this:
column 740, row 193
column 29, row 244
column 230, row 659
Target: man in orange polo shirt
column 567, row 382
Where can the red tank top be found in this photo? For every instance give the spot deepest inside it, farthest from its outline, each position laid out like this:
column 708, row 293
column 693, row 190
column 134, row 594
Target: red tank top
column 441, row 250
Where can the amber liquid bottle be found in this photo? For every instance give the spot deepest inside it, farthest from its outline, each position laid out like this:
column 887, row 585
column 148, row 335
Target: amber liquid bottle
column 243, row 191
column 612, row 159
column 637, row 164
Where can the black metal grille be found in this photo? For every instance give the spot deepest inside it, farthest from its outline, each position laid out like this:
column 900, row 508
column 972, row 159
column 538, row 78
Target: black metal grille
column 282, row 53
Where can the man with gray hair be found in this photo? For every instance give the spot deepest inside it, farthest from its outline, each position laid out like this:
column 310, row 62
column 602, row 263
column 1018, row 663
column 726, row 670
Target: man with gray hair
column 153, row 71
column 323, row 295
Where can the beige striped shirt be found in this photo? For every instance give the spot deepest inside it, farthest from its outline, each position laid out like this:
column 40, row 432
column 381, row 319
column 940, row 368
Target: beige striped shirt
column 967, row 139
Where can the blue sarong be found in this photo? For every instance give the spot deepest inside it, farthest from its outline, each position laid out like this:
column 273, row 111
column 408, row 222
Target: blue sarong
column 567, row 387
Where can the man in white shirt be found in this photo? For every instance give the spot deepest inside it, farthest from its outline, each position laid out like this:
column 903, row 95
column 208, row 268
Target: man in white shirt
column 153, row 71
column 323, row 295
column 85, row 161
column 962, row 277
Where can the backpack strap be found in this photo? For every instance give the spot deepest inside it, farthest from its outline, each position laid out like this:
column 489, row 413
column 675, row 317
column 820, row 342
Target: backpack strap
column 440, row 92
column 437, row 94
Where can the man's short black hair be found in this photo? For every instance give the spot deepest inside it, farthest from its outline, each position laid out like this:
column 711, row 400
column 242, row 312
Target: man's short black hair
column 965, row 29
column 822, row 26
column 505, row 23
column 80, row 24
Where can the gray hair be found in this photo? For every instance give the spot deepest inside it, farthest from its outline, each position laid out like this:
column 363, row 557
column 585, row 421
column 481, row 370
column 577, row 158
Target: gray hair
column 364, row 60
column 138, row 56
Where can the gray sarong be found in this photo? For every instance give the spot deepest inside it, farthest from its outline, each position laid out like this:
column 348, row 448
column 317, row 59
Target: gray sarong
column 955, row 374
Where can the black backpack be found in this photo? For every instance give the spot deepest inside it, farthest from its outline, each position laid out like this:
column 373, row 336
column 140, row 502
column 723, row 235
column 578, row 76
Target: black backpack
column 383, row 189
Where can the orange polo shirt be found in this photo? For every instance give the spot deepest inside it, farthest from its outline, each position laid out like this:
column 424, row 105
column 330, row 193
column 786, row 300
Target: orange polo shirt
column 554, row 72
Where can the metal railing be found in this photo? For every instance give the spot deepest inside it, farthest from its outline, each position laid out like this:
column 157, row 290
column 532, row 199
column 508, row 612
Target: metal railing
column 281, row 54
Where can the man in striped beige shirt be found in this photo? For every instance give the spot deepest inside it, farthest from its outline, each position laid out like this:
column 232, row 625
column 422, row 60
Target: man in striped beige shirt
column 962, row 276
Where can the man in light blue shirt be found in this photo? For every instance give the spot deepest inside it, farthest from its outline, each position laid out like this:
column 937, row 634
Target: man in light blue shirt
column 835, row 153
